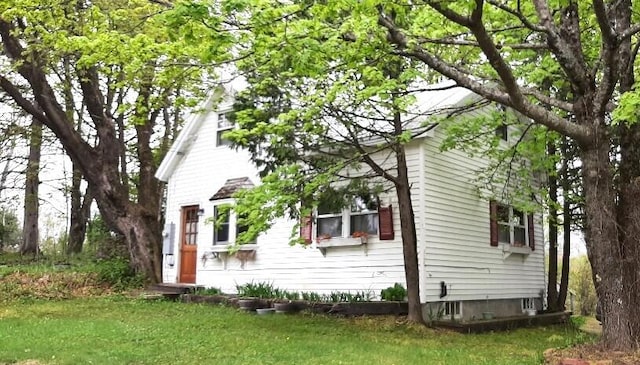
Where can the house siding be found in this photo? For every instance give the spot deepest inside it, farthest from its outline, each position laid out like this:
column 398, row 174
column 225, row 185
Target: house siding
column 457, row 237
column 205, row 168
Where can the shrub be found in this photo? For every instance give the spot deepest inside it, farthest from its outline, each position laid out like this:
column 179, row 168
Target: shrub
column 258, row 290
column 208, row 291
column 118, row 274
column 396, row 292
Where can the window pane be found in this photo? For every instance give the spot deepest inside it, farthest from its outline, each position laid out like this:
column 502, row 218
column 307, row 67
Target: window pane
column 220, row 140
column 503, row 213
column 504, row 233
column 518, row 218
column 364, row 204
column 224, row 122
column 222, row 233
column 325, row 208
column 364, row 223
column 502, row 132
column 519, row 236
column 331, row 226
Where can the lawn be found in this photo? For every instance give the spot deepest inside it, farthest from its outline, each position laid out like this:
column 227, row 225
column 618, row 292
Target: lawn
column 124, row 331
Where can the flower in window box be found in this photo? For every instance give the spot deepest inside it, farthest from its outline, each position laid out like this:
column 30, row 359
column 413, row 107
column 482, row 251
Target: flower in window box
column 362, row 234
column 323, row 237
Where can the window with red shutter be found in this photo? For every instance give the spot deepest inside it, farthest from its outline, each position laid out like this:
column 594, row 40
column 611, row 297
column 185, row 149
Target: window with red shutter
column 306, row 229
column 510, row 226
column 532, row 235
column 493, row 222
column 385, row 223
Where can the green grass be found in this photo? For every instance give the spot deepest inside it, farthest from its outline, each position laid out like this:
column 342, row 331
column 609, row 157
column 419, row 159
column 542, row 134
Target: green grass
column 116, row 330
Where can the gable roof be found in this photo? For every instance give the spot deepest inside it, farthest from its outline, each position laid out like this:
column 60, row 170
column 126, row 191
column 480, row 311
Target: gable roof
column 436, row 99
column 189, row 132
column 231, row 186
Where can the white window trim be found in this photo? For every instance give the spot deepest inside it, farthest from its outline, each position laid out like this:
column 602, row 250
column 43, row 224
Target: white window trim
column 233, row 226
column 528, row 303
column 446, row 307
column 512, row 226
column 219, row 130
column 345, row 214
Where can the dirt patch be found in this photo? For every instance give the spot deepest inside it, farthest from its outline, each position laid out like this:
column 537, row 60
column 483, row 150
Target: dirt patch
column 591, row 354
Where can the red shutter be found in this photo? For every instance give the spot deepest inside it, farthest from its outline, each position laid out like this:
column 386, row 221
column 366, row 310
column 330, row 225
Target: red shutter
column 532, row 234
column 493, row 222
column 385, row 223
column 306, row 229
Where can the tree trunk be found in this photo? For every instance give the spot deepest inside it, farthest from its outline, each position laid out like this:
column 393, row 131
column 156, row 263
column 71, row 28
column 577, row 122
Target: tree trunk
column 552, row 285
column 30, row 244
column 80, row 211
column 409, row 238
column 604, row 249
column 566, row 226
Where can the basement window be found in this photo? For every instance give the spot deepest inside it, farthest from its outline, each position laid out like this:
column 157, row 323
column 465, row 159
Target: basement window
column 452, row 309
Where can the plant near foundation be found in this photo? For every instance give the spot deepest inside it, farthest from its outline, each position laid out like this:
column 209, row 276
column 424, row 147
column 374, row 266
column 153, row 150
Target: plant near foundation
column 311, row 296
column 397, row 292
column 258, row 290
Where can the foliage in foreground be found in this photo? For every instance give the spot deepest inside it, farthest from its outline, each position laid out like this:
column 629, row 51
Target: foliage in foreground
column 120, row 331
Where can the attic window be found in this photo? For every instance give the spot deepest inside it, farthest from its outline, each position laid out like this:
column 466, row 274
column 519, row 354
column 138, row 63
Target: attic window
column 224, row 125
column 502, row 130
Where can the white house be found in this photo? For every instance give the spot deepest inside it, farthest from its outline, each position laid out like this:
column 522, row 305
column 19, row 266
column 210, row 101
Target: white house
column 486, row 256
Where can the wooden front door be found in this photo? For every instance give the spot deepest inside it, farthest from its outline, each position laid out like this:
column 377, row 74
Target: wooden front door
column 188, row 244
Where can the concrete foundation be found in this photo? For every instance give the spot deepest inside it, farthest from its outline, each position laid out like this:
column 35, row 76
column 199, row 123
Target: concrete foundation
column 471, row 310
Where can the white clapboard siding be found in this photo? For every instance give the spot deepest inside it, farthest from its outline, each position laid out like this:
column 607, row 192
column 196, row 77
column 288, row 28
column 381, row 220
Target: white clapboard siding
column 457, row 236
column 204, row 168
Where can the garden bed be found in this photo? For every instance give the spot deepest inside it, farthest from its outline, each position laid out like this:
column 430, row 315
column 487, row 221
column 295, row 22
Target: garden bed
column 342, row 308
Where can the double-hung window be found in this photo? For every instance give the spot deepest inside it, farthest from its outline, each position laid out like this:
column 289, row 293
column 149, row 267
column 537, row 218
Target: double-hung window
column 363, row 217
column 511, row 226
column 224, row 125
column 226, row 227
column 359, row 219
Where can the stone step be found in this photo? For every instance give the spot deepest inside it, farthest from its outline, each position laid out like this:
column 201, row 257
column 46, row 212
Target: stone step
column 177, row 289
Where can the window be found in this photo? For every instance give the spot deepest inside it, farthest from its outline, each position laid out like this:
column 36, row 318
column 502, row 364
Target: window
column 510, row 226
column 224, row 125
column 227, row 229
column 452, row 309
column 502, row 130
column 221, row 226
column 528, row 303
column 361, row 218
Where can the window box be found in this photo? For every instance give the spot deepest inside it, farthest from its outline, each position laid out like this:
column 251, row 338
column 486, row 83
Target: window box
column 341, row 241
column 323, row 244
column 226, row 248
column 508, row 250
column 242, row 252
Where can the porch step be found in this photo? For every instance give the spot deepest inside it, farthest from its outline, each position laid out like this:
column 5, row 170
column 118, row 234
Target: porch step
column 172, row 290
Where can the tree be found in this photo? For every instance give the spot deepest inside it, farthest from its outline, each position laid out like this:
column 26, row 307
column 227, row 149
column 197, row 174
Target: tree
column 588, row 48
column 596, row 72
column 124, row 67
column 311, row 157
column 31, row 233
column 10, row 234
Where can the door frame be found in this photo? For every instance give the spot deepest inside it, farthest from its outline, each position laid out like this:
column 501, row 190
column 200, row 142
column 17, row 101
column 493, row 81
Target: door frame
column 187, row 235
